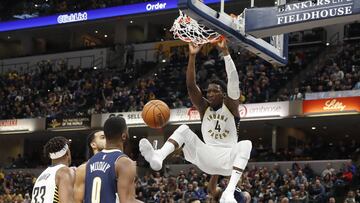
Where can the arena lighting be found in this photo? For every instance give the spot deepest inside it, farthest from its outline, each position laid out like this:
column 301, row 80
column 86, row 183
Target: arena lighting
column 137, row 125
column 258, row 118
column 96, row 14
column 187, row 122
column 332, row 114
column 15, row 132
column 68, row 129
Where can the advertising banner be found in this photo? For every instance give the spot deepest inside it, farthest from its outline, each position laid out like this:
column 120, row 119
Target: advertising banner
column 276, row 20
column 96, row 14
column 21, row 125
column 67, row 123
column 332, row 105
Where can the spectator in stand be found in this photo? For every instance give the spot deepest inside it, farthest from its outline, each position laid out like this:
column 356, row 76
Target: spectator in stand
column 190, row 193
column 199, row 192
column 309, row 172
column 328, row 171
column 303, row 194
column 300, row 179
column 331, row 200
column 317, row 192
column 351, row 167
column 350, row 198
column 347, row 175
column 328, row 185
column 296, row 95
column 357, row 195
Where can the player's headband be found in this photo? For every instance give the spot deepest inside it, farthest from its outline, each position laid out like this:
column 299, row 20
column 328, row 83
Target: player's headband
column 60, row 153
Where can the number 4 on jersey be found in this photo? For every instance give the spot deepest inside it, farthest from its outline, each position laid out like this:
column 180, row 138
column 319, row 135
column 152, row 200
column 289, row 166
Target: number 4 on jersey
column 217, row 126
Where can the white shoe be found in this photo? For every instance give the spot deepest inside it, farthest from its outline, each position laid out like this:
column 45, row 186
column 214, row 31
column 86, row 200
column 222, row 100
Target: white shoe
column 150, row 155
column 227, row 197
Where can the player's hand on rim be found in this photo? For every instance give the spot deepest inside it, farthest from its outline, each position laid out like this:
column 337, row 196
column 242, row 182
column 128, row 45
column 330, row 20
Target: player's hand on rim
column 222, row 45
column 194, row 49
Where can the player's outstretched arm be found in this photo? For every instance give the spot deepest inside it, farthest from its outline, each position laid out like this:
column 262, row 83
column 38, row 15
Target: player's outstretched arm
column 126, row 173
column 79, row 187
column 65, row 179
column 193, row 90
column 233, row 89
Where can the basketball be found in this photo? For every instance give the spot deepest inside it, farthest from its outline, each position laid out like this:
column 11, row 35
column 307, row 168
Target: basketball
column 155, row 114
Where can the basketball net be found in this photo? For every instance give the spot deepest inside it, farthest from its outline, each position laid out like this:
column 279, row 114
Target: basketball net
column 189, row 30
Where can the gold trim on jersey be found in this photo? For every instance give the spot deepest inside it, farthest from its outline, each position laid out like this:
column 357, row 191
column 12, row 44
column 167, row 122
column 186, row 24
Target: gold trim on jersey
column 56, row 195
column 237, row 125
column 228, row 109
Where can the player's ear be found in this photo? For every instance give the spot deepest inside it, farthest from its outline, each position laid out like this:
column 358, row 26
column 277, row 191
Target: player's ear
column 93, row 145
column 124, row 136
column 68, row 153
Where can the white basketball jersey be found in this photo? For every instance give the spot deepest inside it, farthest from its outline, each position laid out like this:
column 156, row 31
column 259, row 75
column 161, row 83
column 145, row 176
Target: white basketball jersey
column 219, row 128
column 45, row 189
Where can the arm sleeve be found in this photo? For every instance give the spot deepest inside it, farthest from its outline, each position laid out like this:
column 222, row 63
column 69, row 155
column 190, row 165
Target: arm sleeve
column 233, row 89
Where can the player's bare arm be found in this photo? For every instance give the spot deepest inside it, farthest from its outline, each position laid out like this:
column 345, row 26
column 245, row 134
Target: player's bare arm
column 212, row 187
column 65, row 179
column 79, row 187
column 233, row 90
column 194, row 91
column 126, row 173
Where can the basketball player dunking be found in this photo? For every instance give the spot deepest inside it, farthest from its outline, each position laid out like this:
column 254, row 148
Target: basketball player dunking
column 56, row 183
column 110, row 171
column 221, row 154
column 96, row 142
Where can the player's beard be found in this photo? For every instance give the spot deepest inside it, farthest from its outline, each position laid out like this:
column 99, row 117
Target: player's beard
column 127, row 148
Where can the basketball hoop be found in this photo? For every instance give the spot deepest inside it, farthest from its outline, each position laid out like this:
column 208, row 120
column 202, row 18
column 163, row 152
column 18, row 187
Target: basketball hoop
column 188, row 30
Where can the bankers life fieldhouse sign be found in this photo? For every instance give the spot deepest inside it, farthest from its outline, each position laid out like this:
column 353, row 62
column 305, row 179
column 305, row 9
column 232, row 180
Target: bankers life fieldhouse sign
column 309, row 10
column 329, row 11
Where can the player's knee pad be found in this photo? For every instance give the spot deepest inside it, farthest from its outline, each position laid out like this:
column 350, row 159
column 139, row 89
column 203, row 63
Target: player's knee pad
column 182, row 129
column 180, row 135
column 243, row 149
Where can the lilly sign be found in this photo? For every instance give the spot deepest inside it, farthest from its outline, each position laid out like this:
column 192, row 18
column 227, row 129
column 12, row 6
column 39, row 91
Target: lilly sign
column 110, row 12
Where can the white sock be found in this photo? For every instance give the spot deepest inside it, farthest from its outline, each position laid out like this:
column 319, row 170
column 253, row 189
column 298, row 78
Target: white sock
column 234, row 179
column 165, row 150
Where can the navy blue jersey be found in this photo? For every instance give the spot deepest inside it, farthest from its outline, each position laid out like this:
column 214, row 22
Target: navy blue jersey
column 101, row 180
